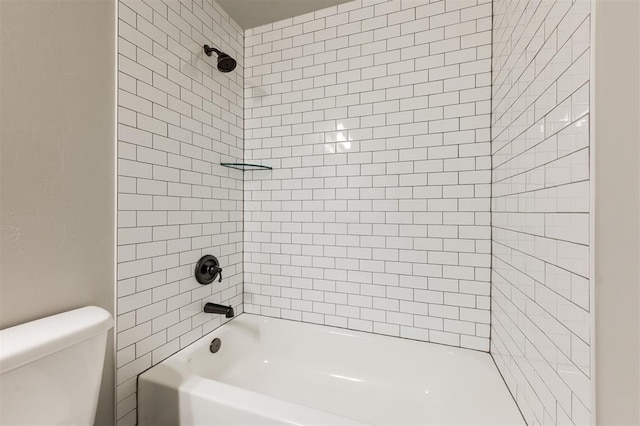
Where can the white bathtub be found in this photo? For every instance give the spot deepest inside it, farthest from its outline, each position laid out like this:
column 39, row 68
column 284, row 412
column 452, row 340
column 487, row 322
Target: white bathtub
column 279, row 372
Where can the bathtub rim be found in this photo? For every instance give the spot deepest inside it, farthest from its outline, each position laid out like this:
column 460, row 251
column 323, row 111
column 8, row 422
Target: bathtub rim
column 188, row 380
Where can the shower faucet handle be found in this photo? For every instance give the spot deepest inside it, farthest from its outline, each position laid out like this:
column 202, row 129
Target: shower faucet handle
column 208, row 269
column 216, row 270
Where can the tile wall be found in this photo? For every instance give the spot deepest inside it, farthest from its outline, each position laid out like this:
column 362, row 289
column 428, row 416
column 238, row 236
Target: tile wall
column 541, row 306
column 375, row 118
column 178, row 118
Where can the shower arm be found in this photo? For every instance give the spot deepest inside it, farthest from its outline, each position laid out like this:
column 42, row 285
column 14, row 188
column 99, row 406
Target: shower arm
column 209, row 50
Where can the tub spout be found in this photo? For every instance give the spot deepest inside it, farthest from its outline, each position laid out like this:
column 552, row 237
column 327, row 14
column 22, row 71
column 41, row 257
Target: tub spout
column 214, row 308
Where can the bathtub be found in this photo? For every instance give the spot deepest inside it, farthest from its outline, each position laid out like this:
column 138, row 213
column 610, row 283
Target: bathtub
column 276, row 372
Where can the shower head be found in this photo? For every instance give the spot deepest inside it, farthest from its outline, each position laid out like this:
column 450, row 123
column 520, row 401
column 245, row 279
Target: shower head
column 225, row 62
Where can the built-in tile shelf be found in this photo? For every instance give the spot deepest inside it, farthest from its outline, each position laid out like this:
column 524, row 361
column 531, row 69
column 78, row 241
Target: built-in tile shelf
column 246, row 166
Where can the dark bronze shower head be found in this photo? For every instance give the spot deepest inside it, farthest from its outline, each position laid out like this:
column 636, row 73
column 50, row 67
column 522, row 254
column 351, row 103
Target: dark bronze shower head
column 225, row 62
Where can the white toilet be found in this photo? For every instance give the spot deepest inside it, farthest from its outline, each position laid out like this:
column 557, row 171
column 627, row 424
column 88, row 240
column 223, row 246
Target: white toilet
column 50, row 369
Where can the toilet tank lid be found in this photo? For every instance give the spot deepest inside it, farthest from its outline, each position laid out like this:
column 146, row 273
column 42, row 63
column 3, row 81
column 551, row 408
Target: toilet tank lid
column 30, row 341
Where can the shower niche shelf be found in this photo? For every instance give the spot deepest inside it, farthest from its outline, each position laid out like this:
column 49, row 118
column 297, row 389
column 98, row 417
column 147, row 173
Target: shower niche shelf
column 246, row 166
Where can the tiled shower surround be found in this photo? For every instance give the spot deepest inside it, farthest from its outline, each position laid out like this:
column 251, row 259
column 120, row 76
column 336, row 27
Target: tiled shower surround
column 179, row 117
column 375, row 118
column 413, row 192
column 541, row 308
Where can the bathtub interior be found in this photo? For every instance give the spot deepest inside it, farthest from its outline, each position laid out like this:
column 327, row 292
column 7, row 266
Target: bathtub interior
column 370, row 378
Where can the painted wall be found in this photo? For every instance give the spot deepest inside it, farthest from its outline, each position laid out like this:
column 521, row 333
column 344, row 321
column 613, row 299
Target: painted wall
column 57, row 103
column 375, row 118
column 541, row 304
column 617, row 185
column 178, row 118
column 253, row 13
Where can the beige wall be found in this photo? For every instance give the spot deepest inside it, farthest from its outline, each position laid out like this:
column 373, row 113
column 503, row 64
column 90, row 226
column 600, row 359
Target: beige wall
column 253, row 13
column 57, row 161
column 617, row 136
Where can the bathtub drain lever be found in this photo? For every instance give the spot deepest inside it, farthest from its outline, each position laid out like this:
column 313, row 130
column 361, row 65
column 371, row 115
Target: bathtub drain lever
column 215, row 345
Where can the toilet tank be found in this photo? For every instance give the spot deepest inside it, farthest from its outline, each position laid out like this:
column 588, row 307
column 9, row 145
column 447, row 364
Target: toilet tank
column 51, row 368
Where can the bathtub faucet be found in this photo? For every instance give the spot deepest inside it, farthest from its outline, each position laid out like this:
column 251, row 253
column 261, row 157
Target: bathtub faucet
column 214, row 308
